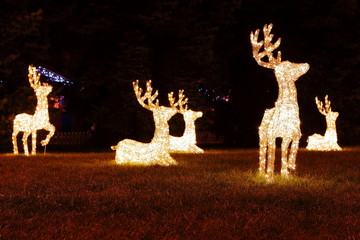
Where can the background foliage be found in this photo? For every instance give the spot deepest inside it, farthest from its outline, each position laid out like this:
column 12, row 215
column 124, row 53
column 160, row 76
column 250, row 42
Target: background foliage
column 102, row 46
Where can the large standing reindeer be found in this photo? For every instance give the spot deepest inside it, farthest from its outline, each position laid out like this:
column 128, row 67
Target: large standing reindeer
column 282, row 121
column 30, row 124
column 187, row 142
column 129, row 151
column 328, row 142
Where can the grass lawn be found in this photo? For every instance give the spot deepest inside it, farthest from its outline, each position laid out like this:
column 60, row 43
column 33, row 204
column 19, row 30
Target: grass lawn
column 215, row 195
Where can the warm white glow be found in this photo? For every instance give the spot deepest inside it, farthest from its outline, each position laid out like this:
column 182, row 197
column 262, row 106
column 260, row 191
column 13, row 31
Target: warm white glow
column 187, row 142
column 29, row 124
column 283, row 120
column 328, row 142
column 129, row 151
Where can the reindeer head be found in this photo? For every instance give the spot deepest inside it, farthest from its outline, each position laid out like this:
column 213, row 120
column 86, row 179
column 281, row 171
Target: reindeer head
column 182, row 107
column 290, row 71
column 284, row 70
column 159, row 112
column 34, row 80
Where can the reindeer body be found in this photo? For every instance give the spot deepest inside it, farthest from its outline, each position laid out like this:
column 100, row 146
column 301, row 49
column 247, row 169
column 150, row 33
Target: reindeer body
column 283, row 120
column 187, row 142
column 30, row 124
column 328, row 142
column 129, row 151
column 156, row 152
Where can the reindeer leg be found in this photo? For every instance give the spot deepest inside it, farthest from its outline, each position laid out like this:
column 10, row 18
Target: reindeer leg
column 293, row 152
column 33, row 142
column 51, row 130
column 25, row 144
column 284, row 156
column 271, row 158
column 262, row 154
column 263, row 143
column 169, row 160
column 198, row 150
column 14, row 141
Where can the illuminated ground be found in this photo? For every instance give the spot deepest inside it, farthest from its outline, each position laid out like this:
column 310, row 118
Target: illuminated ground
column 216, row 195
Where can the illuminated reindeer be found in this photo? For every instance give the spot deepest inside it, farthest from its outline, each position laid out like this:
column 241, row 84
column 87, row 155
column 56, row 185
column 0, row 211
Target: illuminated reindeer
column 329, row 141
column 129, row 151
column 30, row 124
column 282, row 121
column 187, row 142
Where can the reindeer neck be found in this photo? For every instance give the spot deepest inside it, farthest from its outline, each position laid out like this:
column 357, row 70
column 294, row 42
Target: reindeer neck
column 287, row 92
column 330, row 132
column 42, row 107
column 189, row 127
column 161, row 133
column 330, row 122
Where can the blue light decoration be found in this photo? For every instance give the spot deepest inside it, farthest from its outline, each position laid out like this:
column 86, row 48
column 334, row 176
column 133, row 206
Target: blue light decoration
column 53, row 76
column 214, row 95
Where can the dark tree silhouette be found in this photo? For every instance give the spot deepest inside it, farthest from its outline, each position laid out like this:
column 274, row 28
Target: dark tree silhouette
column 103, row 46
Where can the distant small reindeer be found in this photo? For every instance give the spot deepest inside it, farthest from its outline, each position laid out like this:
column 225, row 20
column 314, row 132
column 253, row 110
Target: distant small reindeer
column 283, row 120
column 328, row 142
column 187, row 142
column 30, row 124
column 129, row 151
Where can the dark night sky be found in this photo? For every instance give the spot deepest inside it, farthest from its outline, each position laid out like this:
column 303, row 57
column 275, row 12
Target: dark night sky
column 105, row 45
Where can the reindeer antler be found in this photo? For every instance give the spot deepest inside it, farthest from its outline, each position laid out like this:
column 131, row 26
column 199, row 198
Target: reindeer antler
column 180, row 103
column 268, row 47
column 34, row 77
column 323, row 110
column 147, row 96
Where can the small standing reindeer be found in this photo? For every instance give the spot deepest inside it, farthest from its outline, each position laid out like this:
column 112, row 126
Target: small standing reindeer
column 29, row 124
column 187, row 142
column 329, row 141
column 282, row 121
column 129, row 151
